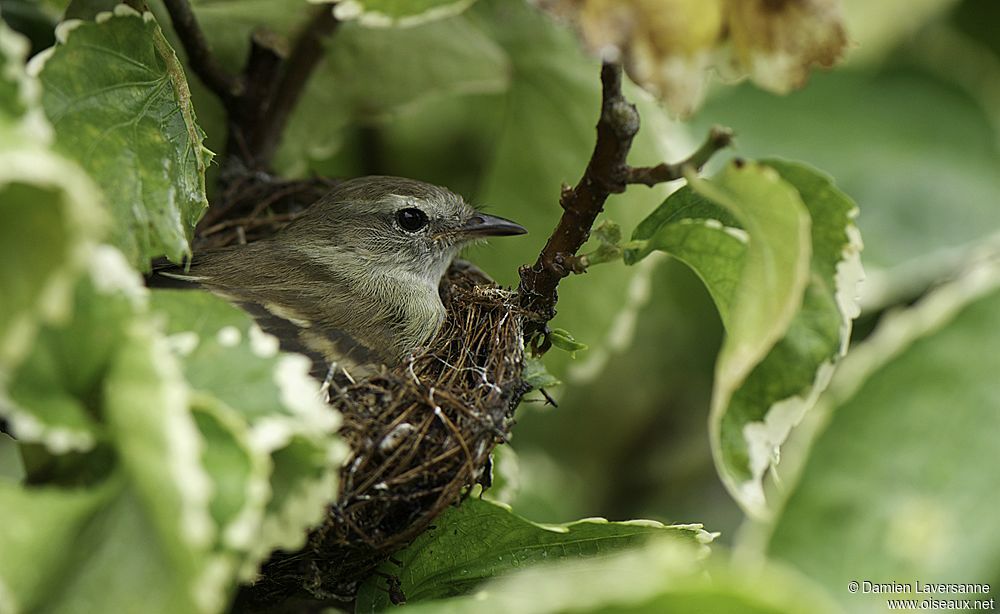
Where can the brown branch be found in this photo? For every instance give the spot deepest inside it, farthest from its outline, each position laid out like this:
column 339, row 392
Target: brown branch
column 718, row 138
column 259, row 102
column 303, row 59
column 261, row 74
column 607, row 173
column 200, row 57
column 617, row 126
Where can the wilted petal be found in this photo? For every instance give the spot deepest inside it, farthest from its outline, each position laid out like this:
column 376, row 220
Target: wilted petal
column 777, row 41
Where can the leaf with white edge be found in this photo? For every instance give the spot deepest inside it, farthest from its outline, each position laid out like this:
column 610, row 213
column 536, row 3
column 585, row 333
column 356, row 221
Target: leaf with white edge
column 119, row 102
column 225, row 354
column 665, row 575
column 479, row 540
column 52, row 397
column 228, row 359
column 902, row 470
column 396, row 13
column 50, row 210
column 785, row 385
column 239, row 474
column 160, row 451
column 51, row 221
column 21, row 117
column 757, row 403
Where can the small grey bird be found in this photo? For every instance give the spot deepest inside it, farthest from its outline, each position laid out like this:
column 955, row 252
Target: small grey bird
column 353, row 281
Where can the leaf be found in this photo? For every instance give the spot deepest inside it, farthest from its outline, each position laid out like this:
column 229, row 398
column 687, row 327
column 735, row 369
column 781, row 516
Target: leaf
column 53, row 397
column 142, row 538
column 50, row 211
column 40, row 526
column 159, row 449
column 563, row 340
column 789, row 357
column 537, row 376
column 260, row 403
column 396, row 13
column 118, row 100
column 479, row 540
column 902, row 472
column 663, row 575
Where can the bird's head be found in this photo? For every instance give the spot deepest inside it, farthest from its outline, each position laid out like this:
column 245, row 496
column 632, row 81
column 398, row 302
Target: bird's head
column 392, row 223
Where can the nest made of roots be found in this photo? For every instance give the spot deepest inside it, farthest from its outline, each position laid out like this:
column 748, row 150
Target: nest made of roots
column 420, row 434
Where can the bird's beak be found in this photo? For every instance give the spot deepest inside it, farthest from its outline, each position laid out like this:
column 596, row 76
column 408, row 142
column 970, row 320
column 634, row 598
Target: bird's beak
column 483, row 225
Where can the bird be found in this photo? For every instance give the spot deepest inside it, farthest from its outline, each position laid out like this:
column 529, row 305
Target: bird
column 352, row 282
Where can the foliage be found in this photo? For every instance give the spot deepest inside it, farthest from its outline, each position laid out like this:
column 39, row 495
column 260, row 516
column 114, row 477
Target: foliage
column 164, row 447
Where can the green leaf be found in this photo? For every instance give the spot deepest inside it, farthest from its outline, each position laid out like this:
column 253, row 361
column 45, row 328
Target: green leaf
column 792, row 325
column 397, row 13
column 480, row 540
column 563, row 340
column 663, row 575
column 40, row 526
column 119, row 102
column 54, row 395
column 901, row 475
column 159, row 449
column 716, row 253
column 141, row 540
column 536, row 375
column 50, row 211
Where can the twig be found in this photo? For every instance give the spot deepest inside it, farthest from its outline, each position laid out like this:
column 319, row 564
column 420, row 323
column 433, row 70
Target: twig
column 607, row 173
column 718, row 138
column 200, row 57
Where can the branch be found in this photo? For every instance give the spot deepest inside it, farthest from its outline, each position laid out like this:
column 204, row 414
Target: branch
column 200, row 57
column 718, row 138
column 607, row 173
column 303, row 59
column 616, row 128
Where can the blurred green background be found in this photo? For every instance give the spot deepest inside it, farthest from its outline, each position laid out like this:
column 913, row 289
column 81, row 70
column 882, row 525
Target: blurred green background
column 499, row 104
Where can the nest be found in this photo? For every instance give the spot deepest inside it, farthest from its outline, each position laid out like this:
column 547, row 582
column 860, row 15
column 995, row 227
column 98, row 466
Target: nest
column 420, row 434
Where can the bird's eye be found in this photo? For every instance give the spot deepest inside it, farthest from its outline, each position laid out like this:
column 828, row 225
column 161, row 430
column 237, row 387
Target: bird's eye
column 411, row 219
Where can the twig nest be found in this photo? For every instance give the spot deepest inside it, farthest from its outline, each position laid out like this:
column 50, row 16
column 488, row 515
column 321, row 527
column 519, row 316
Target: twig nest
column 420, row 433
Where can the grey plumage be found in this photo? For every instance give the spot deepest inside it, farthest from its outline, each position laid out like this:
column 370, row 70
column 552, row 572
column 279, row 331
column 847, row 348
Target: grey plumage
column 353, row 279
